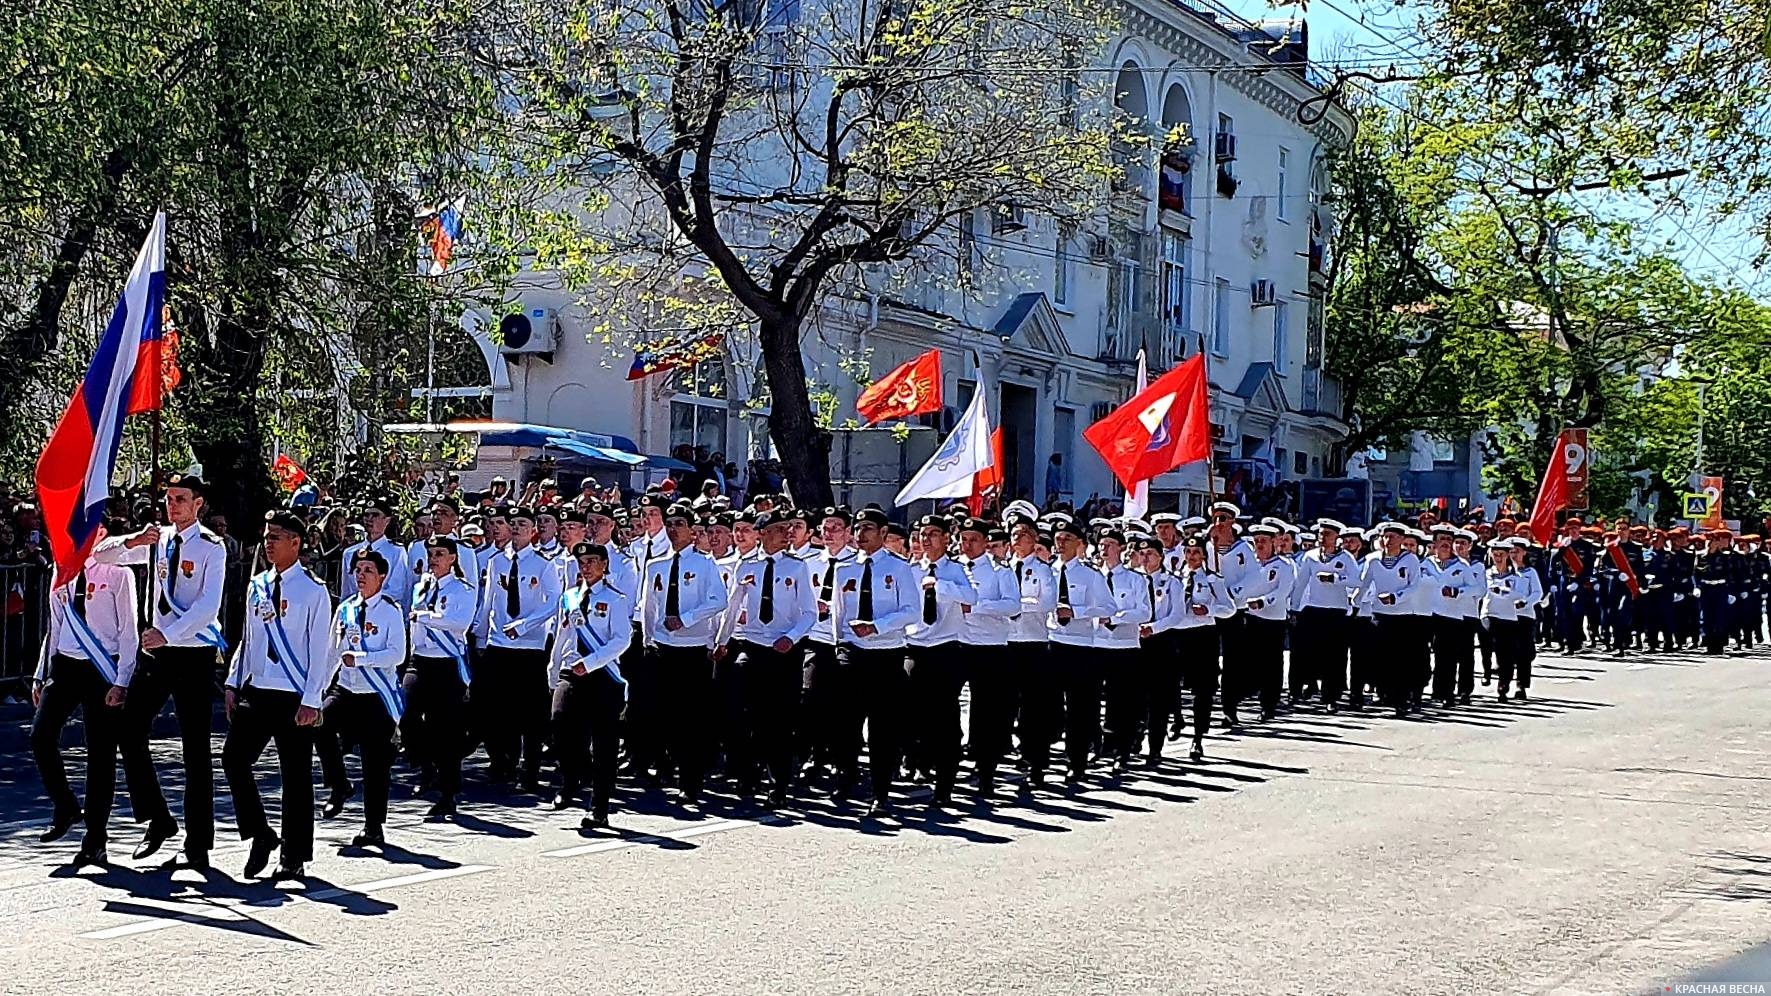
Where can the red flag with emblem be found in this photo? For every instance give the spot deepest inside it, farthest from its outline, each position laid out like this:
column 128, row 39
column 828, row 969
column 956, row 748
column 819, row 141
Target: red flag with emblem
column 1164, row 426
column 911, row 389
column 1552, row 494
column 988, row 481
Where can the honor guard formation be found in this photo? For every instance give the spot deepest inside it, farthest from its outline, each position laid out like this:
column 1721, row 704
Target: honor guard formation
column 764, row 652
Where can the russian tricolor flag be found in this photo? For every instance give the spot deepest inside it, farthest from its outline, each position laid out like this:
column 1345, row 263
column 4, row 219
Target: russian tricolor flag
column 443, row 230
column 127, row 376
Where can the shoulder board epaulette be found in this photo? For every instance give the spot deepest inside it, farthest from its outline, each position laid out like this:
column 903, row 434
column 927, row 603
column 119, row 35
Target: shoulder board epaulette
column 204, row 533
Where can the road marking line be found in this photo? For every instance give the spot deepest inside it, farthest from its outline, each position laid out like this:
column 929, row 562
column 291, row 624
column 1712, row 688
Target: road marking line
column 190, row 914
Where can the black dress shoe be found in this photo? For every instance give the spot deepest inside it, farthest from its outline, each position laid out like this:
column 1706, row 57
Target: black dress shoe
column 196, row 862
column 1198, row 752
column 1519, row 696
column 89, row 854
column 879, row 809
column 368, row 838
column 158, row 833
column 561, row 800
column 335, row 803
column 441, row 808
column 59, row 826
column 777, row 798
column 288, row 872
column 260, row 856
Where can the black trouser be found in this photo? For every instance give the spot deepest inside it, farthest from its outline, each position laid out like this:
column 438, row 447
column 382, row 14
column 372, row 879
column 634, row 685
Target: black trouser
column 881, row 701
column 1231, row 685
column 1484, row 641
column 1393, row 657
column 936, row 677
column 995, row 697
column 728, row 725
column 1160, row 670
column 685, row 675
column 263, row 716
column 510, row 703
column 771, row 691
column 1512, row 638
column 1453, row 656
column 824, row 696
column 434, row 726
column 587, row 715
column 1319, row 652
column 1122, row 688
column 1365, row 659
column 1197, row 649
column 329, row 750
column 76, row 684
column 360, row 718
column 1041, row 689
column 187, row 676
column 641, row 719
column 1081, row 671
column 1263, row 663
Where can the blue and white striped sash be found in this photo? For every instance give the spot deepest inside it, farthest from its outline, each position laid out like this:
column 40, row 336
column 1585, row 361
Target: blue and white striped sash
column 89, row 642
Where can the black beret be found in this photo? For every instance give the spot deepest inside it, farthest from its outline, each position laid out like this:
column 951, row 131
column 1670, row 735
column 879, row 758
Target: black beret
column 578, row 515
column 366, row 555
column 1014, row 519
column 287, row 521
column 763, row 520
column 498, row 512
column 997, row 535
column 1194, row 542
column 680, row 510
column 873, row 514
column 940, row 522
column 520, row 512
column 971, row 525
column 441, row 543
column 590, row 550
column 1044, row 539
column 1147, row 543
column 553, row 510
column 190, row 482
column 1113, row 533
column 837, row 512
column 725, row 518
column 1069, row 526
column 893, row 529
column 811, row 517
column 653, row 499
column 746, row 517
column 444, row 501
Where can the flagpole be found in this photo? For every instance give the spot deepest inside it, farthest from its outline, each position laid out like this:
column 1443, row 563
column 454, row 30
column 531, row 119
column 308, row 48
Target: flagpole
column 1211, row 488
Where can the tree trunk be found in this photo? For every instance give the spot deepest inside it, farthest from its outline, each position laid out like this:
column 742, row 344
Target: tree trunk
column 803, row 445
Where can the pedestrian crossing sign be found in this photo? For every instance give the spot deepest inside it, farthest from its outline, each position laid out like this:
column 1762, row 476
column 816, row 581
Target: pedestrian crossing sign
column 1696, row 506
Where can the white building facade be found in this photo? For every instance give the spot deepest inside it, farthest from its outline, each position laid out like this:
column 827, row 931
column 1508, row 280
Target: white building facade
column 1217, row 243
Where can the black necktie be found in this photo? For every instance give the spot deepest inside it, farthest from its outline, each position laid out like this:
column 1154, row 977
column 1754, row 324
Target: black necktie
column 829, row 581
column 672, row 596
column 513, row 604
column 928, row 601
column 864, row 606
column 80, row 595
column 166, row 593
column 1063, row 592
column 765, row 610
column 1151, row 581
column 584, row 610
column 436, row 587
column 277, row 608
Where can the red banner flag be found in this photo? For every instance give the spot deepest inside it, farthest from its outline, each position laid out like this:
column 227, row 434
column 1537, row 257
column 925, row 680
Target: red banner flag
column 911, row 389
column 1552, row 494
column 1166, row 425
column 287, row 472
column 989, row 480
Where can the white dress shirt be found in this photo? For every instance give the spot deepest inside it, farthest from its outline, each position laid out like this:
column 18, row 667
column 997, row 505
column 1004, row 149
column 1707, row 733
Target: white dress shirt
column 1130, row 607
column 1470, row 603
column 190, row 576
column 538, row 598
column 988, row 623
column 442, row 613
column 793, row 607
column 1205, row 589
column 1087, row 598
column 1503, row 599
column 594, row 627
column 371, row 632
column 897, row 600
column 1325, row 582
column 293, row 612
column 466, row 558
column 1039, row 595
column 822, row 568
column 953, row 588
column 398, row 582
column 700, row 599
column 110, row 615
column 640, row 553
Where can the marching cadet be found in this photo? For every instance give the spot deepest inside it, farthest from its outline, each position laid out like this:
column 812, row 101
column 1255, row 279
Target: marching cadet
column 800, row 525
column 645, row 700
column 1168, row 534
column 547, row 532
column 591, row 632
column 932, row 654
column 1082, row 597
column 1501, row 609
column 1449, row 581
column 1573, row 579
column 1654, row 608
column 1040, row 690
column 574, row 528
column 1717, row 576
column 877, row 597
column 986, row 664
column 623, row 576
column 435, row 683
column 825, row 687
column 1119, row 655
column 1748, row 606
column 772, row 607
column 1362, row 643
column 1319, row 597
column 1418, row 642
column 365, row 703
column 187, row 567
column 682, row 602
column 1529, row 592
column 1386, row 588
column 1205, row 602
column 1159, row 665
column 1264, row 595
column 445, row 520
column 377, row 516
column 273, row 694
column 87, row 663
column 1470, row 602
column 510, row 692
column 1682, row 561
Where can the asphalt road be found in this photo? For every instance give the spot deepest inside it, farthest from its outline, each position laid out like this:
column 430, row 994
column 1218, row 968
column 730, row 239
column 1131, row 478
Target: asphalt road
column 1609, row 836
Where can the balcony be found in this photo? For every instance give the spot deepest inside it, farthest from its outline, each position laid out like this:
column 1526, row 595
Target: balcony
column 1322, row 394
column 1173, row 193
column 1135, row 172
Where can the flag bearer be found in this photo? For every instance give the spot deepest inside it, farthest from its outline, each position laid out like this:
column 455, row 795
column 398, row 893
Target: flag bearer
column 932, row 656
column 1205, row 601
column 988, row 665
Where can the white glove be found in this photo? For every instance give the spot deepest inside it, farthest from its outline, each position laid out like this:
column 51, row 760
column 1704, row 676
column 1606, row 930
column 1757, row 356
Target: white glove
column 1730, row 599
column 1678, row 597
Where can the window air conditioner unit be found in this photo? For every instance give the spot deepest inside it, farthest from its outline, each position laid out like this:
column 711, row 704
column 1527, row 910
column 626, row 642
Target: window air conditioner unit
column 1262, row 292
column 1006, row 219
column 529, row 332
